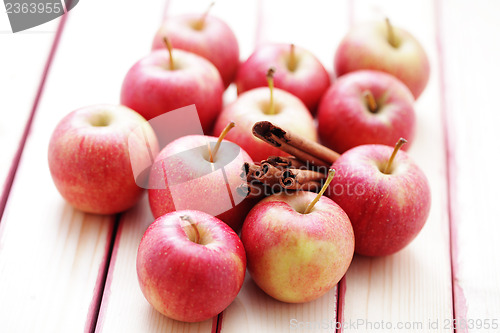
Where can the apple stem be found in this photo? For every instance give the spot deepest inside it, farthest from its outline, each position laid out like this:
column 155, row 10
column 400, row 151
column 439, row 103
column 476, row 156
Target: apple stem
column 390, row 33
column 194, row 230
column 213, row 152
column 201, row 22
column 169, row 48
column 331, row 173
column 292, row 63
column 270, row 82
column 370, row 100
column 399, row 144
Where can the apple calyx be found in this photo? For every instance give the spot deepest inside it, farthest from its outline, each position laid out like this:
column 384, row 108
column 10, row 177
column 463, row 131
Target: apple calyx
column 190, row 229
column 270, row 82
column 101, row 119
column 198, row 25
column 391, row 37
column 213, row 152
column 331, row 173
column 370, row 101
column 292, row 60
column 399, row 144
column 168, row 45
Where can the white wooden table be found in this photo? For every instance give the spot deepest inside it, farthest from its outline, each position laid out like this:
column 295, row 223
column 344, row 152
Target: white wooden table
column 65, row 271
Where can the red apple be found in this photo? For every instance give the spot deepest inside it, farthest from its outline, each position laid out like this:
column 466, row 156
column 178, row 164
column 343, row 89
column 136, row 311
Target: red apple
column 297, row 249
column 190, row 265
column 298, row 71
column 365, row 107
column 205, row 35
column 90, row 157
column 157, row 84
column 183, row 177
column 380, row 46
column 386, row 196
column 275, row 105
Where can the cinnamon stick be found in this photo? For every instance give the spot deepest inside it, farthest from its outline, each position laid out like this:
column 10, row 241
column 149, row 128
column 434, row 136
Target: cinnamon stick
column 293, row 178
column 268, row 174
column 248, row 171
column 300, row 147
column 286, row 162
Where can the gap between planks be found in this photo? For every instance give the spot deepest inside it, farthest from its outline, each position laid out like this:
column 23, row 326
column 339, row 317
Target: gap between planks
column 102, row 276
column 448, row 145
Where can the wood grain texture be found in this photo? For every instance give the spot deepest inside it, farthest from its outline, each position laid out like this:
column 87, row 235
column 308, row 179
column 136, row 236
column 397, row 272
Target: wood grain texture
column 22, row 75
column 413, row 286
column 255, row 311
column 468, row 34
column 317, row 27
column 46, row 248
column 52, row 257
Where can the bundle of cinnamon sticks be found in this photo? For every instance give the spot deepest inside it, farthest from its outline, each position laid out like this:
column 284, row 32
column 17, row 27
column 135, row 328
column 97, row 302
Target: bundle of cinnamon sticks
column 306, row 168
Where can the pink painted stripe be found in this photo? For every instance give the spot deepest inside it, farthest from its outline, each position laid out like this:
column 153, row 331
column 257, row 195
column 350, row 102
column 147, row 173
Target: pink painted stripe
column 341, row 289
column 459, row 300
column 217, row 323
column 102, row 304
column 95, row 304
column 17, row 157
column 350, row 13
column 165, row 10
column 259, row 32
column 342, row 285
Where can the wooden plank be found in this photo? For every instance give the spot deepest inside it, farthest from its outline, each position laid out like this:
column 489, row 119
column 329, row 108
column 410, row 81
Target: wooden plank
column 22, row 75
column 469, row 58
column 412, row 287
column 253, row 310
column 53, row 258
column 124, row 308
